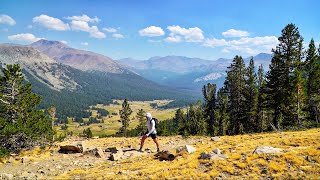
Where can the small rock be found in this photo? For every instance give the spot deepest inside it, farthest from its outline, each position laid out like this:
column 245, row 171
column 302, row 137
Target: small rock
column 95, row 137
column 216, row 138
column 6, row 176
column 25, row 159
column 190, row 149
column 264, row 171
column 267, row 150
column 112, row 149
column 217, row 151
column 116, row 156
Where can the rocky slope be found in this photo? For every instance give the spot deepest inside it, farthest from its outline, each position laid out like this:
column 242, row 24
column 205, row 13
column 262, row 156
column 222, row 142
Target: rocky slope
column 80, row 59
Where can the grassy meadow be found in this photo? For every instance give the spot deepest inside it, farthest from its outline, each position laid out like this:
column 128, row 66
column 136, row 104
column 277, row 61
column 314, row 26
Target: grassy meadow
column 112, row 123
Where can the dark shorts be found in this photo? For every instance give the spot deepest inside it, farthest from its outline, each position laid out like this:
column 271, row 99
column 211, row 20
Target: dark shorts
column 153, row 136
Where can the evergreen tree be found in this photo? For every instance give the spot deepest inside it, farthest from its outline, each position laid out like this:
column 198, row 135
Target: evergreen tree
column 312, row 67
column 251, row 98
column 221, row 113
column 285, row 80
column 261, row 106
column 142, row 121
column 235, row 87
column 125, row 113
column 180, row 121
column 197, row 123
column 18, row 113
column 209, row 94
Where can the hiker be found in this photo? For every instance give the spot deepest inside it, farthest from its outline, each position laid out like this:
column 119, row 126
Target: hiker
column 151, row 124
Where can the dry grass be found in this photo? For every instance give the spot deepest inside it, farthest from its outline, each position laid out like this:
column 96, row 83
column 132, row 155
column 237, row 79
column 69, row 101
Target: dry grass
column 300, row 160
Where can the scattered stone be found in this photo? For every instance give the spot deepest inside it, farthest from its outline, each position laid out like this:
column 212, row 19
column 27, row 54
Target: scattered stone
column 264, row 171
column 97, row 152
column 112, row 149
column 213, row 155
column 68, row 149
column 95, row 137
column 217, row 151
column 25, row 159
column 216, row 138
column 116, row 156
column 6, row 176
column 190, row 149
column 267, row 150
column 187, row 148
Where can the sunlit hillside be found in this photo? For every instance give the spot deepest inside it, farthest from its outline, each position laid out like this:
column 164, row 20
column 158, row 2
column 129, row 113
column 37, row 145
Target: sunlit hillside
column 112, row 122
column 300, row 159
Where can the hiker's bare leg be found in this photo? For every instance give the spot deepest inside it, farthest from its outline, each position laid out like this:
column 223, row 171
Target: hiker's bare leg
column 144, row 137
column 155, row 140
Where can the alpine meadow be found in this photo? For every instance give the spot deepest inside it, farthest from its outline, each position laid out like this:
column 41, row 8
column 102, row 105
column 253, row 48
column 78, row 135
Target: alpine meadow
column 159, row 89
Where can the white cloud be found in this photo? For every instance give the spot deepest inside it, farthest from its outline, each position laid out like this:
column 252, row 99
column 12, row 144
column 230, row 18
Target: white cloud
column 213, row 42
column 246, row 45
column 24, row 37
column 235, row 33
column 84, row 44
column 152, row 31
column 84, row 18
column 83, row 26
column 51, row 22
column 174, row 39
column 110, row 29
column 64, row 42
column 194, row 34
column 117, row 36
column 5, row 19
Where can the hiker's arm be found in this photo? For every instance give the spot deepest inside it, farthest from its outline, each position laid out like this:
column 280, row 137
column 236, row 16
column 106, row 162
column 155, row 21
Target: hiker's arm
column 152, row 128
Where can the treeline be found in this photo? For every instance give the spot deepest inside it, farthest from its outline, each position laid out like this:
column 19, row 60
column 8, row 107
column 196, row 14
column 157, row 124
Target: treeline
column 286, row 97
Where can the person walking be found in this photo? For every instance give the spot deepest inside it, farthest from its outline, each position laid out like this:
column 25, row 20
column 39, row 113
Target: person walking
column 151, row 125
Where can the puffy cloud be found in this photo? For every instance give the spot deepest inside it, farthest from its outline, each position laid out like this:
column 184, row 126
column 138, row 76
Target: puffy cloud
column 174, row 38
column 152, row 31
column 117, row 36
column 51, row 22
column 213, row 42
column 247, row 45
column 235, row 33
column 24, row 37
column 84, row 26
column 84, row 44
column 5, row 19
column 194, row 34
column 84, row 18
column 110, row 30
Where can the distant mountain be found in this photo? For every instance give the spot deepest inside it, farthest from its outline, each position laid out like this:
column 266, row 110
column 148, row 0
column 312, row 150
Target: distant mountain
column 72, row 90
column 80, row 59
column 187, row 73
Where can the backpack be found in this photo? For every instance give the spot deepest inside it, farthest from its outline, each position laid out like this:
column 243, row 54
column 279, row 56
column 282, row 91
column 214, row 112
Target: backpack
column 155, row 122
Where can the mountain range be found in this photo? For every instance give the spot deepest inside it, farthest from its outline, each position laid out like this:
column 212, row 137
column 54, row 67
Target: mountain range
column 187, row 73
column 72, row 85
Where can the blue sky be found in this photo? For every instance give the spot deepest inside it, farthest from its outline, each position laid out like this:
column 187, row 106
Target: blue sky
column 207, row 29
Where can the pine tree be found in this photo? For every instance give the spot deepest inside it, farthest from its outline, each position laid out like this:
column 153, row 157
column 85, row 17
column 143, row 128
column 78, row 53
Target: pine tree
column 235, row 87
column 251, row 98
column 261, row 106
column 142, row 121
column 221, row 113
column 312, row 67
column 18, row 113
column 285, row 80
column 180, row 121
column 125, row 113
column 209, row 94
column 197, row 123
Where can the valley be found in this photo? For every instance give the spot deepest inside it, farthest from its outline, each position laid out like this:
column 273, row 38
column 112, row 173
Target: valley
column 111, row 123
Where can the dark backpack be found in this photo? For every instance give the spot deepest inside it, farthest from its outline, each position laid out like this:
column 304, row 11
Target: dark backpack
column 155, row 122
